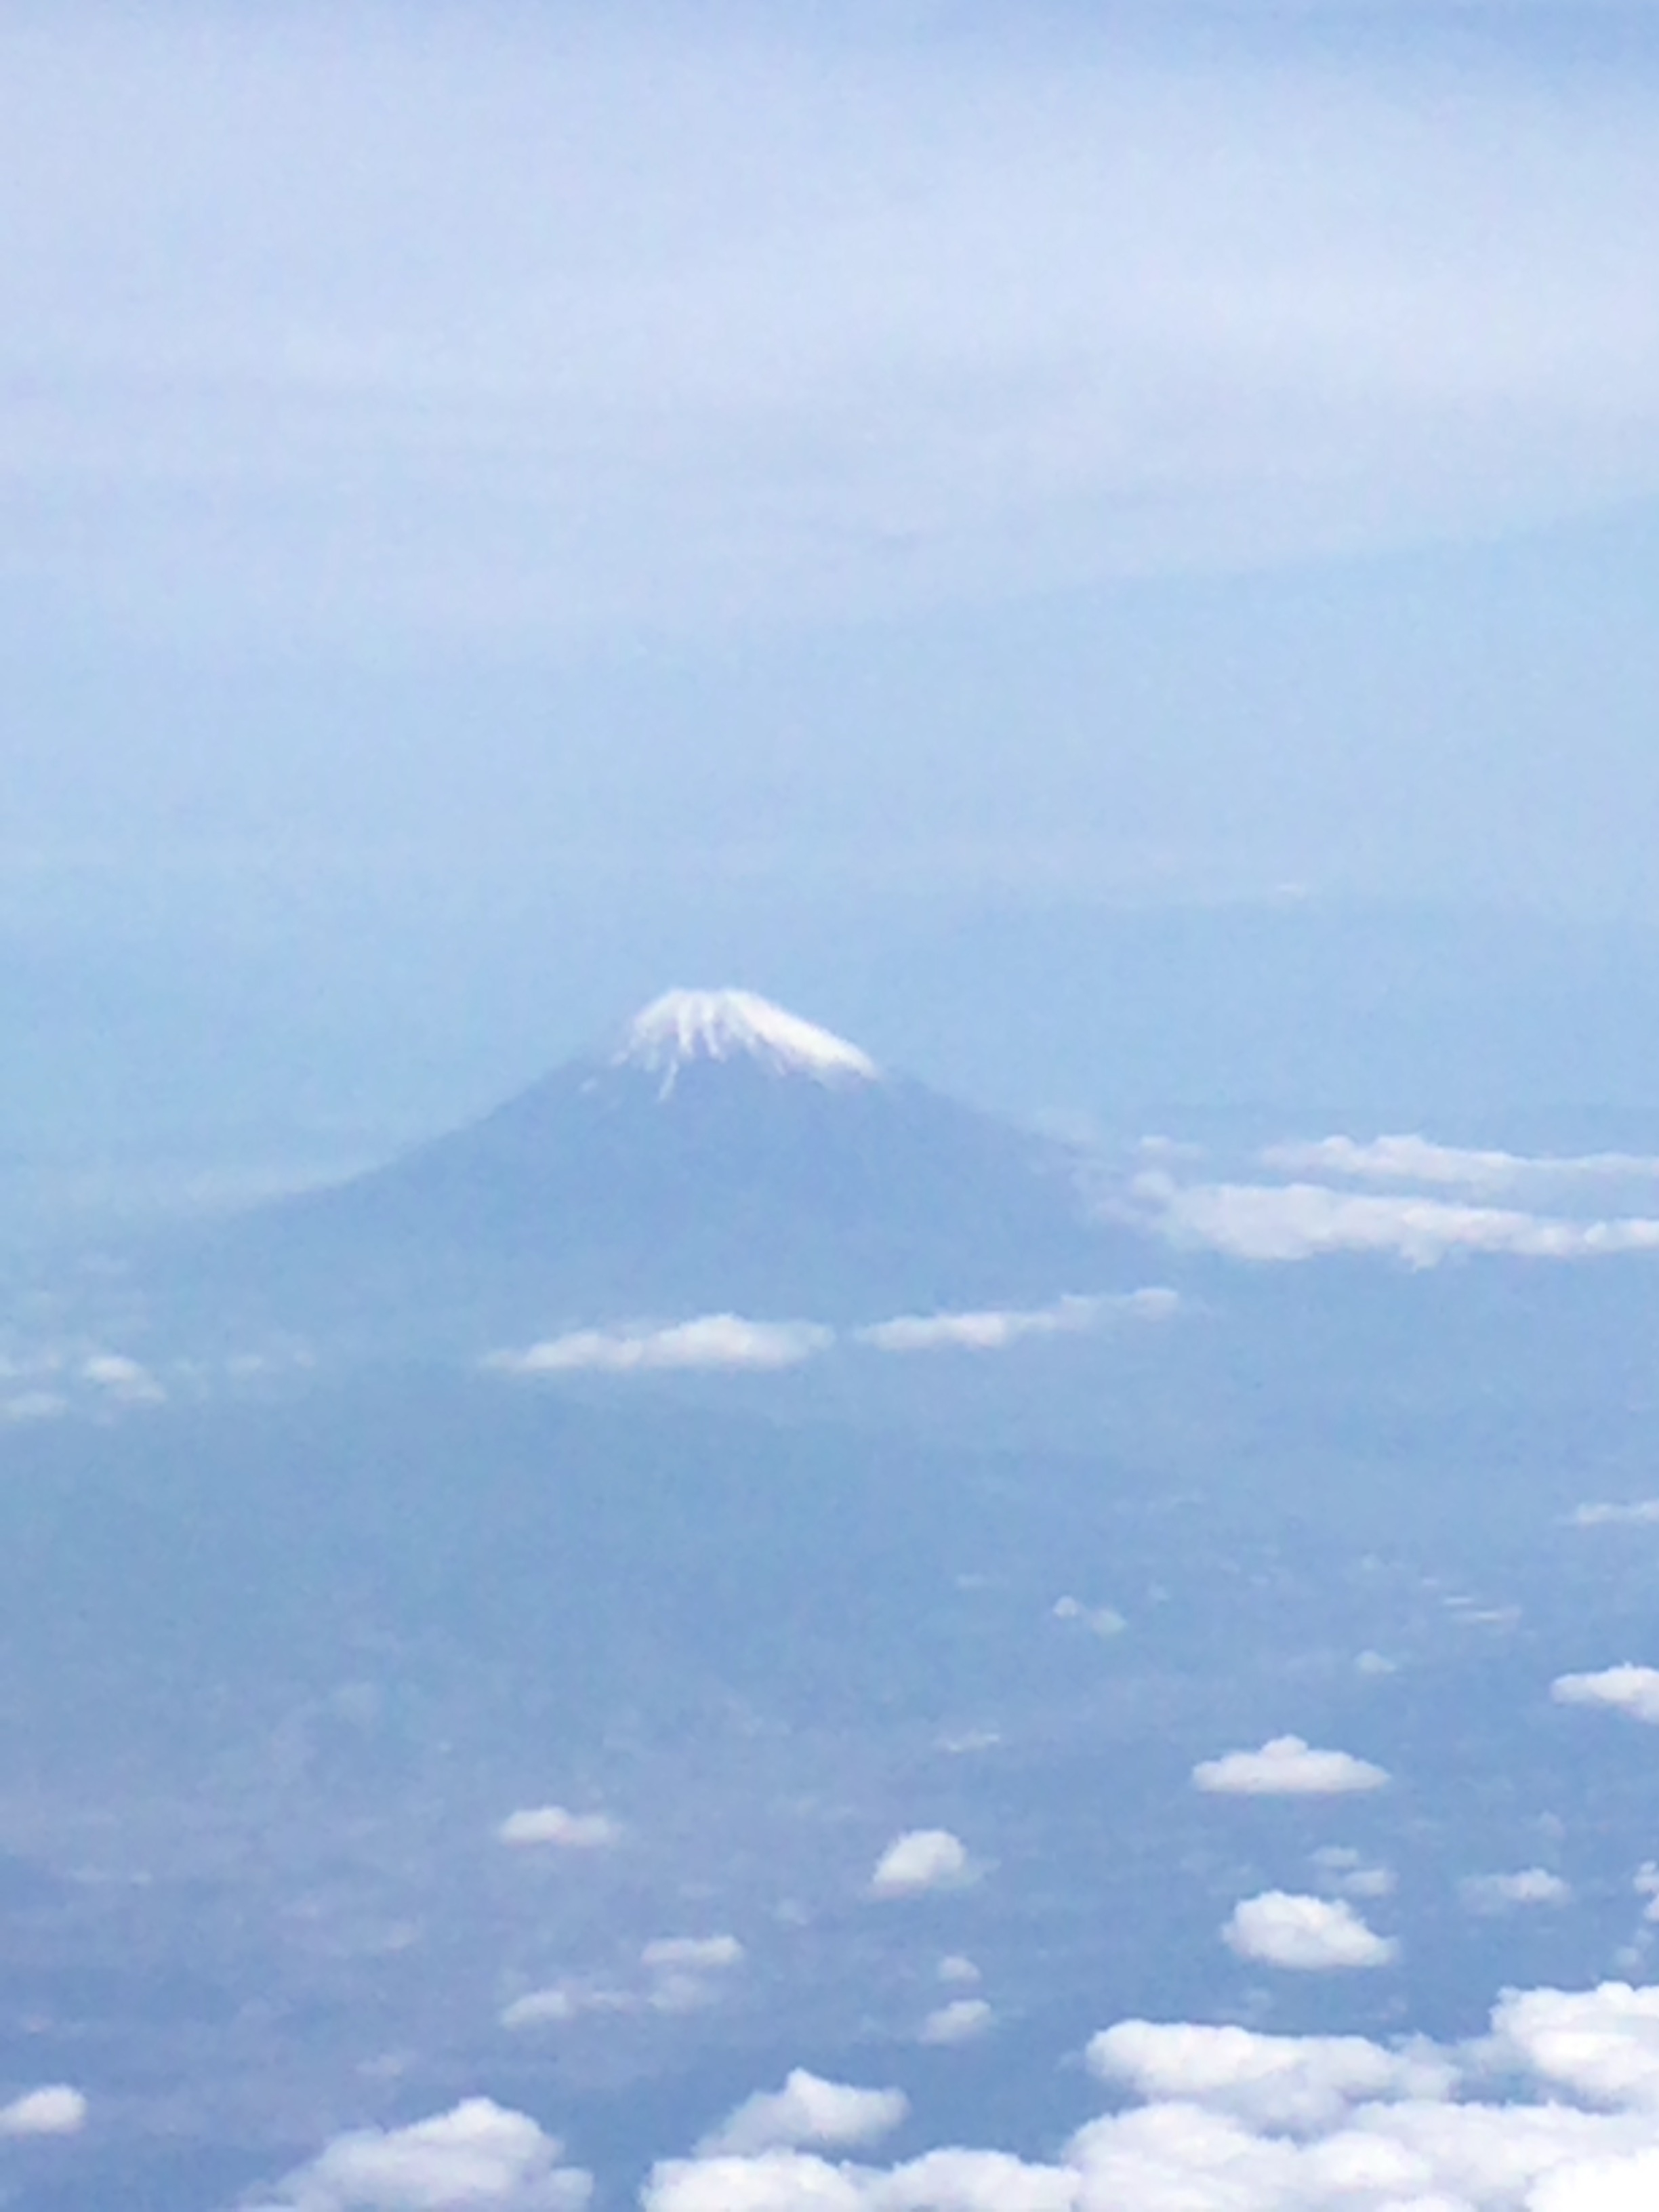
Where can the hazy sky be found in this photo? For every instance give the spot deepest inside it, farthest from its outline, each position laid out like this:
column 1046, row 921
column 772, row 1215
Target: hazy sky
column 1008, row 451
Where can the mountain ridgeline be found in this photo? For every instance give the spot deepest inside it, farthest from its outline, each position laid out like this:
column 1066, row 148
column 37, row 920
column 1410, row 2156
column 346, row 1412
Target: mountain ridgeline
column 722, row 1156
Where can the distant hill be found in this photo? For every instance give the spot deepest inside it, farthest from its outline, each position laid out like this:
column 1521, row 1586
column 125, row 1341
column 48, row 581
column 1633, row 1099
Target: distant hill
column 721, row 1155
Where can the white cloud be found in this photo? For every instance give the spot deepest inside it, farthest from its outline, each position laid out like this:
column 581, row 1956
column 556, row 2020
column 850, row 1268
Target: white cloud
column 1502, row 1892
column 954, row 1967
column 1303, row 1220
column 1417, row 1159
column 1305, row 1935
column 997, row 1327
column 1626, row 1689
column 1071, row 313
column 713, row 1341
column 1299, row 2083
column 564, row 2002
column 1286, row 1767
column 479, row 2155
column 686, row 1969
column 122, row 1378
column 1640, row 1512
column 1104, row 1620
column 962, row 2020
column 57, row 2110
column 1346, row 1872
column 1602, row 2045
column 35, row 1405
column 920, row 1860
column 563, row 1830
column 698, row 1954
column 810, row 2112
column 1228, row 2120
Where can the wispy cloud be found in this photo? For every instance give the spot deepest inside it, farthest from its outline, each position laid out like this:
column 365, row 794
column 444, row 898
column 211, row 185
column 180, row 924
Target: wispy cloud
column 1504, row 1893
column 1304, row 1221
column 554, row 1826
column 994, row 1328
column 729, row 1340
column 547, row 331
column 1641, row 1512
column 1419, row 1160
column 713, row 1341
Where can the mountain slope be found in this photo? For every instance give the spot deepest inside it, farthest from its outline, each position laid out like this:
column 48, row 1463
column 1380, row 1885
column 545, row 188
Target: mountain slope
column 724, row 1156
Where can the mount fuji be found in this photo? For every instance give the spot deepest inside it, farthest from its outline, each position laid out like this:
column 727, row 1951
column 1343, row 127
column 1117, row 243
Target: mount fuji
column 720, row 1154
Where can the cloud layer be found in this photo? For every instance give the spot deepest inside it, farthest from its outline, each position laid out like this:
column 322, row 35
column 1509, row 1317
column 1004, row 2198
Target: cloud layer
column 1445, row 1208
column 1225, row 2120
column 516, row 329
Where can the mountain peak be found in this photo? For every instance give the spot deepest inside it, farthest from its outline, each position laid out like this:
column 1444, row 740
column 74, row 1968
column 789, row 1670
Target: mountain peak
column 683, row 1026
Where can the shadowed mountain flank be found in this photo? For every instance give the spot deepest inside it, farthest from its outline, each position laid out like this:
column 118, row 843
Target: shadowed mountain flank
column 722, row 1155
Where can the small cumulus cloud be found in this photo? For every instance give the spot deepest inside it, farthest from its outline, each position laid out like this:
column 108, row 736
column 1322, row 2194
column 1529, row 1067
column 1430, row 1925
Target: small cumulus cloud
column 1491, row 1894
column 479, row 2155
column 961, row 1971
column 1304, row 1935
column 723, row 1341
column 1286, row 1766
column 56, row 2109
column 554, row 1825
column 1626, row 1689
column 809, row 2112
column 964, row 2019
column 921, row 1860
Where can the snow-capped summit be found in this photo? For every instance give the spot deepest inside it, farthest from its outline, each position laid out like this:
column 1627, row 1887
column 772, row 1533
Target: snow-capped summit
column 683, row 1026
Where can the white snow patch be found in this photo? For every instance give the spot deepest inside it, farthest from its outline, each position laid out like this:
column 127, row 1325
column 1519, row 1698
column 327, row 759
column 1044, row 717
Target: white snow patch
column 683, row 1026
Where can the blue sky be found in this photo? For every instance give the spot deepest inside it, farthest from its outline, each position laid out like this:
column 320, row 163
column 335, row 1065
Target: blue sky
column 979, row 453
